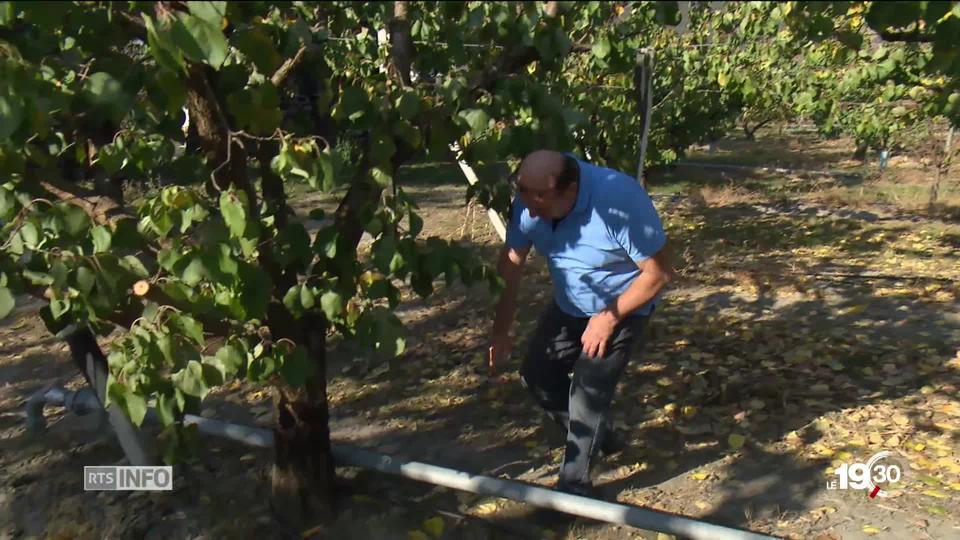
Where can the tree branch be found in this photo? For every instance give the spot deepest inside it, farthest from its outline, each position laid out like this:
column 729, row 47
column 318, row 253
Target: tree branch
column 288, row 66
column 912, row 36
column 100, row 208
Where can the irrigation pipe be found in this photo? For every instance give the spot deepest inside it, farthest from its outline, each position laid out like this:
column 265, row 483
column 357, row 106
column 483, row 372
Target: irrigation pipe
column 618, row 514
column 83, row 402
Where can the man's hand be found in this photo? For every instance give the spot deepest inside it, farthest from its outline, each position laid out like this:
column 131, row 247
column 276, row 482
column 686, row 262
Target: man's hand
column 499, row 351
column 597, row 334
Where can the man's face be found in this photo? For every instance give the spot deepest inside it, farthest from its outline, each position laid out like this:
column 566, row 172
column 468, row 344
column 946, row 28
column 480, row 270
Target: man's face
column 541, row 198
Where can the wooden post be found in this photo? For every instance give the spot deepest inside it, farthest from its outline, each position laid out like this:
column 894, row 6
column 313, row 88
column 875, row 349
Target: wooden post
column 495, row 219
column 643, row 84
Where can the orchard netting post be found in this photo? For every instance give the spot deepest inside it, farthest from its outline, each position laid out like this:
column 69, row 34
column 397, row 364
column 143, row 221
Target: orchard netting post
column 643, row 84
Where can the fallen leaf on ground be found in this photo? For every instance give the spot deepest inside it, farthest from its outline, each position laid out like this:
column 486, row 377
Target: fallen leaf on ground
column 434, row 526
column 735, row 440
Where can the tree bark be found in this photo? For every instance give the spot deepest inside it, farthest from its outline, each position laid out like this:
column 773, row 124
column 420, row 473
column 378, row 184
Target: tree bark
column 860, row 154
column 942, row 168
column 401, row 42
column 303, row 470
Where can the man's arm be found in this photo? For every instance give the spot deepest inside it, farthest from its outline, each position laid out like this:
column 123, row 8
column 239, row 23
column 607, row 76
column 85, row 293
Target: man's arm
column 510, row 268
column 655, row 273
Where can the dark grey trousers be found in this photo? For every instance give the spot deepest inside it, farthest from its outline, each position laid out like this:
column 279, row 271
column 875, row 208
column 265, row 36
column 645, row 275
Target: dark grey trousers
column 574, row 390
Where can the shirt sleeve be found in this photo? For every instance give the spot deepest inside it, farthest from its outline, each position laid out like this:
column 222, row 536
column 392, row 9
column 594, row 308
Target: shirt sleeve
column 640, row 233
column 516, row 238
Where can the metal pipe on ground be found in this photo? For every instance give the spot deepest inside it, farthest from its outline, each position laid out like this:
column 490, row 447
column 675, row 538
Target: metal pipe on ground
column 79, row 402
column 618, row 514
column 83, row 402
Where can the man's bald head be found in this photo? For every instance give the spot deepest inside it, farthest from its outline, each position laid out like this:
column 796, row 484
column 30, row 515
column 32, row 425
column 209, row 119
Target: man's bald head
column 540, row 169
column 545, row 181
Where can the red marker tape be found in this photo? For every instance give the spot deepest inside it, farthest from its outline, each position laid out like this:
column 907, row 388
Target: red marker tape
column 876, row 489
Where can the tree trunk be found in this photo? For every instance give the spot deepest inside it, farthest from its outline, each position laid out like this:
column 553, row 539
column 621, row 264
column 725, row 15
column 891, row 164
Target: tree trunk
column 942, row 167
column 401, row 42
column 303, row 469
column 860, row 154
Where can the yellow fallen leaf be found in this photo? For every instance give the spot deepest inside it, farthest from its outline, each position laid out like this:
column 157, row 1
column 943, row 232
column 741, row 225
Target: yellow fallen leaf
column 955, row 486
column 434, row 526
column 919, row 447
column 853, row 310
column 870, row 530
column 485, row 509
column 735, row 440
column 700, row 476
column 892, row 442
column 875, row 438
column 689, row 410
column 935, row 493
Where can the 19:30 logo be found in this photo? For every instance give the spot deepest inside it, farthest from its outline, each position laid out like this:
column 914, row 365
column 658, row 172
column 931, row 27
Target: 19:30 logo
column 875, row 476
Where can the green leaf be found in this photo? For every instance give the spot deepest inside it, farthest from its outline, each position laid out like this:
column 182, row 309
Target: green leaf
column 292, row 298
column 162, row 47
column 296, row 367
column 408, row 105
column 166, row 409
column 134, row 264
column 256, row 45
column 59, row 306
column 195, row 272
column 190, row 328
column 477, row 119
column 190, row 380
column 722, row 79
column 133, row 405
column 212, row 13
column 6, row 302
column 228, row 360
column 199, row 40
column 307, row 298
column 601, row 49
column 7, row 14
column 332, row 304
column 101, row 239
column 255, row 290
column 382, row 177
column 86, row 279
column 382, row 148
column 233, row 207
column 11, row 115
column 30, row 234
column 75, row 220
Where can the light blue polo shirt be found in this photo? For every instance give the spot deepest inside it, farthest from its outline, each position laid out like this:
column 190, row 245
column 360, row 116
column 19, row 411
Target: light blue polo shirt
column 593, row 252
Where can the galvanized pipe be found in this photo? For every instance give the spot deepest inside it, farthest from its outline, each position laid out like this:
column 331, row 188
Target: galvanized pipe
column 618, row 514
